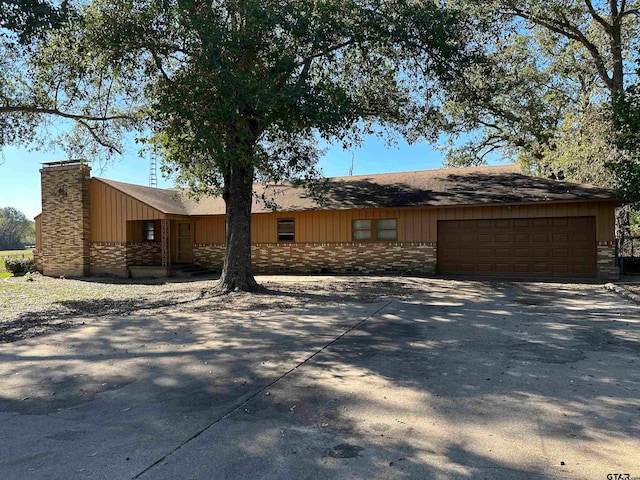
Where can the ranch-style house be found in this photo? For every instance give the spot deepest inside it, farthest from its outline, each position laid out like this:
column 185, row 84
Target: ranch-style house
column 456, row 221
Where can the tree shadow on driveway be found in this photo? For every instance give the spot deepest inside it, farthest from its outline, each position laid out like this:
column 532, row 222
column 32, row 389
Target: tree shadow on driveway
column 449, row 380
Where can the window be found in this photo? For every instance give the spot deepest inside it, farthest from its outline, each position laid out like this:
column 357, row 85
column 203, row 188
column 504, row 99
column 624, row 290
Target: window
column 149, row 231
column 385, row 228
column 286, row 230
column 361, row 229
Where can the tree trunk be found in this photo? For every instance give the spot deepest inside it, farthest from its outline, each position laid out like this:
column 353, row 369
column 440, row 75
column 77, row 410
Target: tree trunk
column 622, row 224
column 615, row 41
column 237, row 272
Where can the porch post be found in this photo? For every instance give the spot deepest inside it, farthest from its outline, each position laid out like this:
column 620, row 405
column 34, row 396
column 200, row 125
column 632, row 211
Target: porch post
column 164, row 244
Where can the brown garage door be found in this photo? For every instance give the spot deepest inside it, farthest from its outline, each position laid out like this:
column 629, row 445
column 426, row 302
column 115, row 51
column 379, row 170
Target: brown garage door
column 534, row 247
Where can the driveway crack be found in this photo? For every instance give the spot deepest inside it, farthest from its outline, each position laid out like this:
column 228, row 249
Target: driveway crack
column 261, row 390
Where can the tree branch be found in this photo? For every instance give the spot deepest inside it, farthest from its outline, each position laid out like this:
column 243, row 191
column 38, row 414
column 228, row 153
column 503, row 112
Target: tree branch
column 98, row 138
column 158, row 62
column 327, row 50
column 54, row 111
column 615, row 13
column 490, row 150
column 488, row 124
column 574, row 33
column 596, row 16
column 633, row 11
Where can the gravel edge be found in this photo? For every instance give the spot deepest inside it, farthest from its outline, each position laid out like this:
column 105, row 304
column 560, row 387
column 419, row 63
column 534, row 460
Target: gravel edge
column 623, row 292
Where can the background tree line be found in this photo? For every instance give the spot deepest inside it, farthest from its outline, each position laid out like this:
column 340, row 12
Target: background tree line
column 16, row 230
column 557, row 91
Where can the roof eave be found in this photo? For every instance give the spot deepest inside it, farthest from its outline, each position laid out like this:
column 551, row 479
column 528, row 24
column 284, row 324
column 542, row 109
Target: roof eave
column 128, row 194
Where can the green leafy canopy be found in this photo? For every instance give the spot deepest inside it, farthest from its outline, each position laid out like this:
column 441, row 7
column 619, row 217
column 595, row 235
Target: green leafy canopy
column 544, row 96
column 261, row 81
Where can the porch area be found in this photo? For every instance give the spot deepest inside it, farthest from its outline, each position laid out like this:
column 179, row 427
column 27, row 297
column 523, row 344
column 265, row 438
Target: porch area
column 155, row 246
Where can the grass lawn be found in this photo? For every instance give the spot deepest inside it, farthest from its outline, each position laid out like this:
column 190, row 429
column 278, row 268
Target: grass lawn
column 13, row 254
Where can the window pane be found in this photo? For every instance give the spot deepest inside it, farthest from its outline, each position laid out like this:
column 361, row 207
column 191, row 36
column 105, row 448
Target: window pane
column 386, row 234
column 286, row 230
column 361, row 224
column 386, row 224
column 362, row 234
column 285, row 237
column 148, row 232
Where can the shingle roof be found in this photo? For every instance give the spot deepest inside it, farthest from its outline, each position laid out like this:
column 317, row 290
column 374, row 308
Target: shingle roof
column 170, row 201
column 503, row 184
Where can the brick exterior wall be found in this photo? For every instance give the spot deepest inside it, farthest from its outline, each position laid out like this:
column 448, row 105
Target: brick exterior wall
column 412, row 258
column 209, row 255
column 65, row 220
column 606, row 261
column 144, row 253
column 109, row 258
column 116, row 258
column 37, row 260
column 397, row 257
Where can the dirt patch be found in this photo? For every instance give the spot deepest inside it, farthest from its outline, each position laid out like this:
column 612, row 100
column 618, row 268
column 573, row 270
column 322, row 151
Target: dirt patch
column 44, row 305
column 30, row 307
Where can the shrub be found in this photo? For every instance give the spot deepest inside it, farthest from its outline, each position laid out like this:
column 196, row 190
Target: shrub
column 19, row 266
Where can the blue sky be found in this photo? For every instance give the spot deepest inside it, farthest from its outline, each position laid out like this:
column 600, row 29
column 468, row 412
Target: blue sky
column 20, row 176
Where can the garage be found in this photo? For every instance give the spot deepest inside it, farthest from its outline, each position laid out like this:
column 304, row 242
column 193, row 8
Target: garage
column 526, row 247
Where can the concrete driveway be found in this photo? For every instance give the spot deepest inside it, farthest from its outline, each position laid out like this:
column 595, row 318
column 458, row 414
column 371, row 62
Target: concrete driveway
column 444, row 379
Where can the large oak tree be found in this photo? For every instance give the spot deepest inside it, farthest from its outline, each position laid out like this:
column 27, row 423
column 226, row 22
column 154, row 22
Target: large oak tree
column 242, row 90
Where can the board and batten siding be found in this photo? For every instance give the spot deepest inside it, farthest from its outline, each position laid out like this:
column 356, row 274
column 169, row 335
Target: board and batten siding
column 210, row 230
column 414, row 224
column 110, row 210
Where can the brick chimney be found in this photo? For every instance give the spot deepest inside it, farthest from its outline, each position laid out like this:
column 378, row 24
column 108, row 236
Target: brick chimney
column 65, row 218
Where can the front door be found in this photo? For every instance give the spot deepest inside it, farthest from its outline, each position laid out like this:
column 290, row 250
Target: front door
column 185, row 242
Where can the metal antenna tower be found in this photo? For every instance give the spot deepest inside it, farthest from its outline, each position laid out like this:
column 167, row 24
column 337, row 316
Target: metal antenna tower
column 153, row 170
